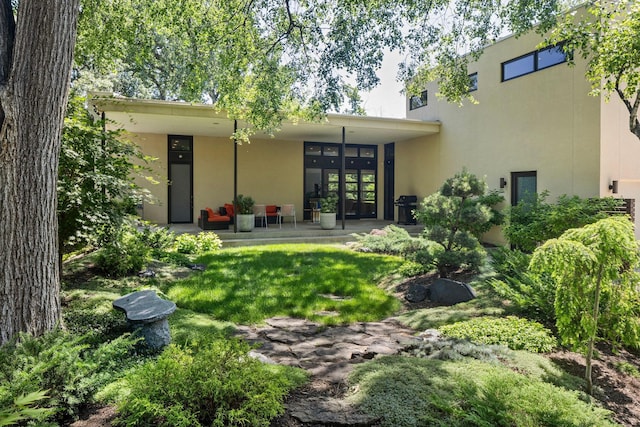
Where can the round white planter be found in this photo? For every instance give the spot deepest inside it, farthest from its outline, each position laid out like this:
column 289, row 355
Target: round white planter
column 246, row 222
column 327, row 221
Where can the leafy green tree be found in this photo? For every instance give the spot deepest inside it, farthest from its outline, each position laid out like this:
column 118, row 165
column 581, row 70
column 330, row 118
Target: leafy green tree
column 597, row 297
column 455, row 217
column 608, row 37
column 95, row 188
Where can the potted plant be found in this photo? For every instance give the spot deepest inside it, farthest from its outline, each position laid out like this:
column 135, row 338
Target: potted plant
column 328, row 209
column 244, row 209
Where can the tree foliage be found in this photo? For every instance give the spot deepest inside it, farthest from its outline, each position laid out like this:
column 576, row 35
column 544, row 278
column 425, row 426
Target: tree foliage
column 609, row 38
column 594, row 268
column 95, row 187
column 266, row 60
column 455, row 217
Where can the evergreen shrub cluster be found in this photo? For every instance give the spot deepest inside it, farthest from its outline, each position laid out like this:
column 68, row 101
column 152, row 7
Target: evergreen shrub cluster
column 216, row 385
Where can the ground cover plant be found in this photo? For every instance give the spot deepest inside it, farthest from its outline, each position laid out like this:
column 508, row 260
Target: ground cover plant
column 511, row 331
column 327, row 284
column 411, row 392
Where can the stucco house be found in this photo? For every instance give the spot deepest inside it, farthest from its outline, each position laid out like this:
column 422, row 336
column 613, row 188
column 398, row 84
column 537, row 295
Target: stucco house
column 535, row 127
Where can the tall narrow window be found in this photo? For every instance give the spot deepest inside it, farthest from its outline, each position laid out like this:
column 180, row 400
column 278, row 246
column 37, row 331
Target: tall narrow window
column 473, row 82
column 525, row 186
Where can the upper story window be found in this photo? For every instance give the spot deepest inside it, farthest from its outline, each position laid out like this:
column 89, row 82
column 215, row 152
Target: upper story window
column 418, row 101
column 473, row 82
column 532, row 62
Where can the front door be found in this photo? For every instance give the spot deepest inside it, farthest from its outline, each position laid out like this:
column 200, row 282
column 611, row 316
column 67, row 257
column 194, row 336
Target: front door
column 180, row 179
column 389, row 173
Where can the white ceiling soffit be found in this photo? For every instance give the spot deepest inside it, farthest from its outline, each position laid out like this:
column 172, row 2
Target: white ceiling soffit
column 169, row 117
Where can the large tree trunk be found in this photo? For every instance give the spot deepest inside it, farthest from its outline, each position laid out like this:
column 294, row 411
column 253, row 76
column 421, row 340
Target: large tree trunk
column 35, row 68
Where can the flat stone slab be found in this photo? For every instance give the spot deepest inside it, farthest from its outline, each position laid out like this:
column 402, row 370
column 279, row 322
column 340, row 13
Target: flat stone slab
column 330, row 412
column 144, row 306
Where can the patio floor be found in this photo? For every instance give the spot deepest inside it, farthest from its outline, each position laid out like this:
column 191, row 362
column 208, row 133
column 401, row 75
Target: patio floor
column 305, row 232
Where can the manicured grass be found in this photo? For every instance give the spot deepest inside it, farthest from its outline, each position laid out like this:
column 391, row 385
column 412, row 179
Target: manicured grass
column 327, row 284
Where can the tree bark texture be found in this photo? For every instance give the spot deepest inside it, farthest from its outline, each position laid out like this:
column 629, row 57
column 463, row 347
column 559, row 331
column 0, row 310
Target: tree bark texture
column 37, row 61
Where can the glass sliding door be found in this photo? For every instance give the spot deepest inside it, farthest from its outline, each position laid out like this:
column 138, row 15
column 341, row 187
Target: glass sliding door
column 322, row 176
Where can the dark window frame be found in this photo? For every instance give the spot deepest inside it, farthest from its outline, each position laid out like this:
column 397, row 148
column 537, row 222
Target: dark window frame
column 536, row 65
column 416, row 102
column 515, row 197
column 473, row 82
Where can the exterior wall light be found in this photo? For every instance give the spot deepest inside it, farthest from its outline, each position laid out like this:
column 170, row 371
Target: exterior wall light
column 503, row 182
column 614, row 187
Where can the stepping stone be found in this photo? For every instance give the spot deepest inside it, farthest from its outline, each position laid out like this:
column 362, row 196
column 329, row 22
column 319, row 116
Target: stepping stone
column 330, row 412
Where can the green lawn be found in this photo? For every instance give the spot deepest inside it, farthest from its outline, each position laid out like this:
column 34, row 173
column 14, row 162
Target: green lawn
column 330, row 285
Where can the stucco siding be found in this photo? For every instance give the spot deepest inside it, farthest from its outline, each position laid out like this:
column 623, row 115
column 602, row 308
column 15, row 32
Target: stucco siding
column 544, row 122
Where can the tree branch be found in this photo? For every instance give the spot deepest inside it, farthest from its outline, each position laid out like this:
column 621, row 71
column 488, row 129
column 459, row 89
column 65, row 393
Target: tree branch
column 634, row 122
column 7, row 40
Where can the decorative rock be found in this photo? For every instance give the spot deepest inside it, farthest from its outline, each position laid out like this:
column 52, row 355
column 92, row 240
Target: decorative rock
column 416, row 293
column 197, row 267
column 450, row 292
column 148, row 273
column 147, row 313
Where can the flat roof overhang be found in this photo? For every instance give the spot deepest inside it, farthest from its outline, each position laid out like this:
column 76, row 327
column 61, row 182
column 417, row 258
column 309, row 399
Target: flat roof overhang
column 182, row 118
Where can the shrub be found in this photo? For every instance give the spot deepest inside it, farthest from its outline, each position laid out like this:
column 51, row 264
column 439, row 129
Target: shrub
column 513, row 332
column 197, row 244
column 63, row 364
column 392, row 240
column 159, row 239
column 186, row 244
column 125, row 253
column 217, row 385
column 531, row 295
column 534, row 220
column 455, row 217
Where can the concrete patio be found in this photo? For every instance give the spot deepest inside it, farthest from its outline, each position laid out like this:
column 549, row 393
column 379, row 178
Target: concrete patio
column 305, row 232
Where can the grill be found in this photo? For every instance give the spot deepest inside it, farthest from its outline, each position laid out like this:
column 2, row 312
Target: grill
column 405, row 205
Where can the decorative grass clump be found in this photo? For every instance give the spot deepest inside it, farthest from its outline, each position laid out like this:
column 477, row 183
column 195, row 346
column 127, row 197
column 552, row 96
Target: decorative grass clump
column 411, row 392
column 511, row 331
column 326, row 284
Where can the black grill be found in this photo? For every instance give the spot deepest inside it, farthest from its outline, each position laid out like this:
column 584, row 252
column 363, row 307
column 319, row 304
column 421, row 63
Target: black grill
column 405, row 205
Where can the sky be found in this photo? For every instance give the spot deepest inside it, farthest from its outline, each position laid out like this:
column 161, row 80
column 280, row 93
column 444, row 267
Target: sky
column 386, row 99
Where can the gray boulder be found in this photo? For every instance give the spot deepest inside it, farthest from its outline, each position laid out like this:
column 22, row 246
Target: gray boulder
column 450, row 292
column 416, row 293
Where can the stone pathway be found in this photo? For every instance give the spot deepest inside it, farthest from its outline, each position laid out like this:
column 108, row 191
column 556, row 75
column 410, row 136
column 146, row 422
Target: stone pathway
column 327, row 354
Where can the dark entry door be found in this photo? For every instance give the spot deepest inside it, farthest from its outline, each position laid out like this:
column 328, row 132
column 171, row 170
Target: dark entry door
column 180, row 179
column 389, row 184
